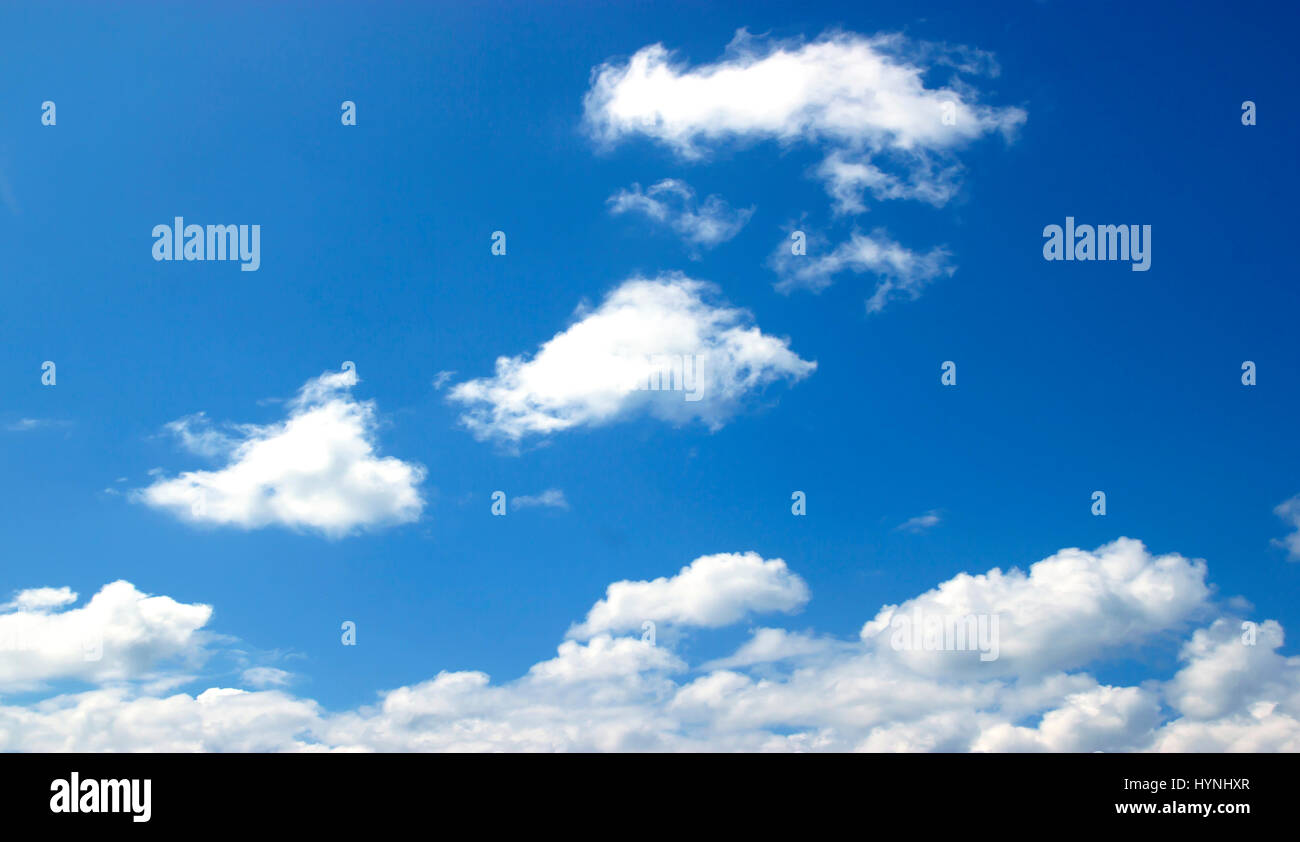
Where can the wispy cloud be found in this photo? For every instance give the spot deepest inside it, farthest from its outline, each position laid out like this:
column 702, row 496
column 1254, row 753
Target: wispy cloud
column 27, row 425
column 262, row 677
column 1289, row 511
column 671, row 202
column 920, row 523
column 900, row 272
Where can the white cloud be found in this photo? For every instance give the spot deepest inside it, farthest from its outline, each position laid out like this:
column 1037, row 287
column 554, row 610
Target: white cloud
column 663, row 347
column 672, row 202
column 550, row 498
column 714, row 590
column 119, row 634
column 1066, row 611
column 603, row 657
column 1101, row 718
column 40, row 599
column 920, row 523
column 862, row 98
column 118, row 719
column 23, row 425
column 318, row 469
column 767, row 646
column 1222, row 673
column 901, row 271
column 1263, row 729
column 1290, row 512
column 262, row 677
column 199, row 437
column 781, row 691
column 847, row 180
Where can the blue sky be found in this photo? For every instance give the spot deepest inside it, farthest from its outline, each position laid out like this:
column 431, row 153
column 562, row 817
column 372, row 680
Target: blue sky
column 375, row 248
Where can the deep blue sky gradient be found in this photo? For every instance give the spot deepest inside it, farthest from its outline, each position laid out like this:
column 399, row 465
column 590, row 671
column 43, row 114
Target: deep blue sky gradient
column 375, row 248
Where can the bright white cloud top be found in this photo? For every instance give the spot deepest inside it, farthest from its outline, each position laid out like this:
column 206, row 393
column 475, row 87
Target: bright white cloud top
column 316, row 470
column 780, row 691
column 1065, row 611
column 712, row 591
column 862, row 98
column 861, row 101
column 119, row 634
column 666, row 347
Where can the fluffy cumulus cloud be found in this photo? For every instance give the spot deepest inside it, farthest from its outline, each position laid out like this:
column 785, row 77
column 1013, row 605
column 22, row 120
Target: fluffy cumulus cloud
column 665, row 347
column 606, row 690
column 714, row 590
column 863, row 99
column 119, row 634
column 1064, row 612
column 318, row 469
column 1232, row 697
column 671, row 202
column 864, row 102
column 900, row 272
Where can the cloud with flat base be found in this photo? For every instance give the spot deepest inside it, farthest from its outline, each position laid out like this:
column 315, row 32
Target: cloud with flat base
column 609, row 687
column 667, row 347
column 317, row 470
